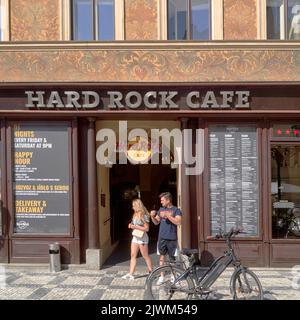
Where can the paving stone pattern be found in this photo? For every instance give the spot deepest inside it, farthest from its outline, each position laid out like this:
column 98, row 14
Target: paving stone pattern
column 107, row 284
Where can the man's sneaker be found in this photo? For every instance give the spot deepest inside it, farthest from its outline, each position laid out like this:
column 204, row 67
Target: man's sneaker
column 128, row 276
column 172, row 278
column 160, row 280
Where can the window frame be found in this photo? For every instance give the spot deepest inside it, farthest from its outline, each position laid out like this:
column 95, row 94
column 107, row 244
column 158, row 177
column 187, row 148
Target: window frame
column 189, row 22
column 68, row 20
column 216, row 31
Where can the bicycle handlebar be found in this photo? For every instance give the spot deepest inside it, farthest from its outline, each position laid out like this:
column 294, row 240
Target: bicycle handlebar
column 210, row 238
column 226, row 235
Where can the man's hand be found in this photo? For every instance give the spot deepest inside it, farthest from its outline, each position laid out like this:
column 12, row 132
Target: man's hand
column 155, row 218
column 175, row 220
column 153, row 213
column 167, row 214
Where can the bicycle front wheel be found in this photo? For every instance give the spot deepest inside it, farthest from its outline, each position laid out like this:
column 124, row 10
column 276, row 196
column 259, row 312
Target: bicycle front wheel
column 162, row 284
column 246, row 286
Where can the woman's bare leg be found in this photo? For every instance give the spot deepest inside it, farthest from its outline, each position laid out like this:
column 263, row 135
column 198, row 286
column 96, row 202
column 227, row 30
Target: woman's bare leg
column 145, row 254
column 134, row 253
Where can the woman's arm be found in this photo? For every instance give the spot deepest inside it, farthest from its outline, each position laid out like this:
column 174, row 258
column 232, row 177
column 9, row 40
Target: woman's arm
column 145, row 227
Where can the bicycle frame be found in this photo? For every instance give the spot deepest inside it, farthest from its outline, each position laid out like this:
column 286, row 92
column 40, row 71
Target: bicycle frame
column 215, row 270
column 200, row 285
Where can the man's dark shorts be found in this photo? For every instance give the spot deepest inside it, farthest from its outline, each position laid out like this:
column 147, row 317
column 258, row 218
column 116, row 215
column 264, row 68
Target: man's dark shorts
column 167, row 247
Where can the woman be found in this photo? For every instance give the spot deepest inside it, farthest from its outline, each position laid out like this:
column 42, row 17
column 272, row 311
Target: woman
column 140, row 221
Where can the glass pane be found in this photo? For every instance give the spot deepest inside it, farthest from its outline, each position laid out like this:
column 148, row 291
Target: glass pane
column 294, row 19
column 200, row 24
column 171, row 21
column 285, row 191
column 106, row 19
column 177, row 19
column 275, row 18
column 83, row 20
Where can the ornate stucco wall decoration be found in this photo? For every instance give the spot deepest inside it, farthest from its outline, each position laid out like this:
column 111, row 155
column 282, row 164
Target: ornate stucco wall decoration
column 33, row 20
column 142, row 65
column 240, row 20
column 141, row 20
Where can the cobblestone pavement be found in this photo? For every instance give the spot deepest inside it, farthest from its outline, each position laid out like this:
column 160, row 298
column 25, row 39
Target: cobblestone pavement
column 82, row 284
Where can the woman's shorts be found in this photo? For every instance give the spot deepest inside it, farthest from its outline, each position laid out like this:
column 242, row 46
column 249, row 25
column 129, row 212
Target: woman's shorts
column 143, row 240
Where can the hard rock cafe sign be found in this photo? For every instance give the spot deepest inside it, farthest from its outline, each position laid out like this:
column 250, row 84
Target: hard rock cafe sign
column 139, row 150
column 134, row 100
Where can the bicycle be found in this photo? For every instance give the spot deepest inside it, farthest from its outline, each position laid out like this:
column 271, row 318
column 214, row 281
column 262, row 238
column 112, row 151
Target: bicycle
column 287, row 222
column 184, row 283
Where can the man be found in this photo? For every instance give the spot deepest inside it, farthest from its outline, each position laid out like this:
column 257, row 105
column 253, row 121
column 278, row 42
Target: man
column 169, row 217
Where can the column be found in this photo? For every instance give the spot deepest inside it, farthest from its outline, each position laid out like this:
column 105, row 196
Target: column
column 93, row 220
column 185, row 198
column 93, row 251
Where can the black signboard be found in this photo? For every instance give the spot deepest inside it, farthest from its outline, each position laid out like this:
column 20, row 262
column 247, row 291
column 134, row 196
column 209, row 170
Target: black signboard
column 234, row 179
column 41, row 178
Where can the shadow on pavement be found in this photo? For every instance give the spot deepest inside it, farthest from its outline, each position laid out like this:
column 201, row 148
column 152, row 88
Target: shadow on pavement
column 121, row 256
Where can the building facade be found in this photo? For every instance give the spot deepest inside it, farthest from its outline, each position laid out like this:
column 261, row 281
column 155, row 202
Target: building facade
column 229, row 70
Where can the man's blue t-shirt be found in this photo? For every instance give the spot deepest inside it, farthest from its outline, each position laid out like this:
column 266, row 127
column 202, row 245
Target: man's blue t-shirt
column 167, row 229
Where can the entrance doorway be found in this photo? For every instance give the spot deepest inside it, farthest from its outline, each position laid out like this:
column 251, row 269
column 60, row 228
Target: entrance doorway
column 128, row 182
column 119, row 184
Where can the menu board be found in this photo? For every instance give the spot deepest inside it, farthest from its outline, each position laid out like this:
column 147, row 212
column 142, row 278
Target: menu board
column 41, row 178
column 234, row 198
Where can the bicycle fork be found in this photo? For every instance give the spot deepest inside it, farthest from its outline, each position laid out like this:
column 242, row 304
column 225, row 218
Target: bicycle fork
column 238, row 269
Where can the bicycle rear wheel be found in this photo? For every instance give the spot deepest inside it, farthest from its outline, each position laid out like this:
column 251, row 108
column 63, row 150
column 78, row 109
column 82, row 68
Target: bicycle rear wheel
column 160, row 284
column 246, row 286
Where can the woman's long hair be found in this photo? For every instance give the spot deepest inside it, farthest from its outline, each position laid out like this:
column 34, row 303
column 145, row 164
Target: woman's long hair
column 140, row 211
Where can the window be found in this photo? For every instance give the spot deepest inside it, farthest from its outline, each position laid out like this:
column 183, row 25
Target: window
column 285, row 180
column 283, row 19
column 189, row 20
column 93, row 20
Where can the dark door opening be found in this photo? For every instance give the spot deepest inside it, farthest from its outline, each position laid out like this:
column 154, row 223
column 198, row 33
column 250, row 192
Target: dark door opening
column 128, row 182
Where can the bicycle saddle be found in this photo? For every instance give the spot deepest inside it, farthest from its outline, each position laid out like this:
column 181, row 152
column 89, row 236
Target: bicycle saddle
column 189, row 252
